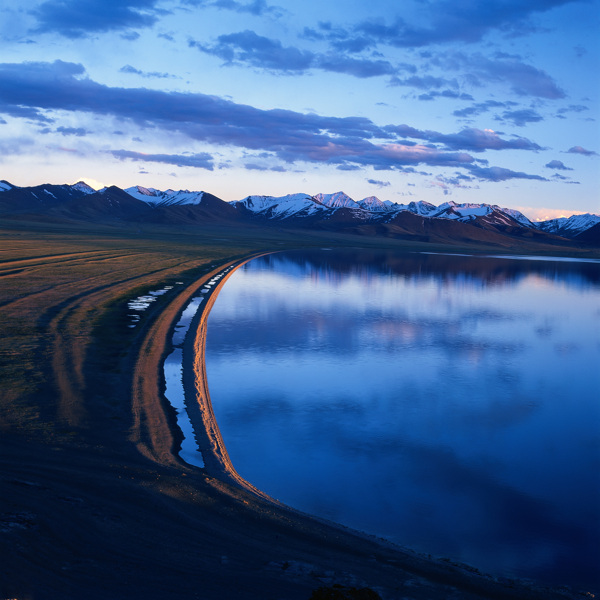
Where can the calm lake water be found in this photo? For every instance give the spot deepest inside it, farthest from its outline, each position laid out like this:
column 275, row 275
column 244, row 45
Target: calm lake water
column 448, row 403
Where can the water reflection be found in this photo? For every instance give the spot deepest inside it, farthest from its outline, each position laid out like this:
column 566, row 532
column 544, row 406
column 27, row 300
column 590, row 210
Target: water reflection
column 448, row 403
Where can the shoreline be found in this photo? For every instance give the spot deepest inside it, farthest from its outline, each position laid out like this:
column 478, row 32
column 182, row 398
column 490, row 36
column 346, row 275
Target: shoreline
column 218, row 465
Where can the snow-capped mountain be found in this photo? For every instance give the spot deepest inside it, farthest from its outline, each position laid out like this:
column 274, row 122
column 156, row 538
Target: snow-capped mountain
column 337, row 200
column 569, row 226
column 282, row 207
column 302, row 205
column 374, row 204
column 422, row 221
column 82, row 186
column 167, row 198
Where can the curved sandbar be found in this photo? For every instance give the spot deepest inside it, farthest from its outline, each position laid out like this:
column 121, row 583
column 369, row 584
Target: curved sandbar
column 197, row 395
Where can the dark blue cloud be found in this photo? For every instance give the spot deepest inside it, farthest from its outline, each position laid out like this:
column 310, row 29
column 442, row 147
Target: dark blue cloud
column 255, row 7
column 260, row 167
column 524, row 79
column 202, row 160
column 469, row 138
column 150, row 75
column 481, row 107
column 580, row 150
column 379, row 183
column 452, row 94
column 76, row 131
column 45, row 88
column 558, row 164
column 576, row 108
column 249, row 48
column 501, row 174
column 522, row 117
column 424, row 82
column 258, row 51
column 449, row 22
column 362, row 68
column 79, row 18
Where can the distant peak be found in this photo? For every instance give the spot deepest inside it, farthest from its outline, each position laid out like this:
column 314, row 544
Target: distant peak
column 82, row 186
column 145, row 191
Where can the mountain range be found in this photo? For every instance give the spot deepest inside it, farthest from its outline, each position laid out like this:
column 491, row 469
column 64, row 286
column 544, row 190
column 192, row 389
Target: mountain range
column 337, row 212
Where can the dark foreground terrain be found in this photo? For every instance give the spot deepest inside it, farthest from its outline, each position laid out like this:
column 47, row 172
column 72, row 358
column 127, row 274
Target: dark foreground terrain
column 94, row 502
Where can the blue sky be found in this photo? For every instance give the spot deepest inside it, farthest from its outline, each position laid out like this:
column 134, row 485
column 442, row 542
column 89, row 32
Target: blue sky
column 491, row 101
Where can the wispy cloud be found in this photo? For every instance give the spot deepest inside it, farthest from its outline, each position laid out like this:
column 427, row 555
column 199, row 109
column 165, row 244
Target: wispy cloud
column 147, row 74
column 202, row 160
column 523, row 79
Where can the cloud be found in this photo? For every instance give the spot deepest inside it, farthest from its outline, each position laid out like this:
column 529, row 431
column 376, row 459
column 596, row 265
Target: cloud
column 256, row 7
column 450, row 22
column 524, row 79
column 77, row 131
column 522, row 117
column 445, row 94
column 290, row 136
column 15, row 146
column 576, row 108
column 259, row 167
column 249, row 48
column 481, row 107
column 501, row 174
column 80, row 18
column 469, row 138
column 580, row 150
column 557, row 164
column 379, row 183
column 150, row 75
column 425, row 82
column 361, row 68
column 202, row 160
column 258, row 51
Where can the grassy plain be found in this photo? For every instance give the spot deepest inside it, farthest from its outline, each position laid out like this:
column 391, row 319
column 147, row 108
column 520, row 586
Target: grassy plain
column 94, row 502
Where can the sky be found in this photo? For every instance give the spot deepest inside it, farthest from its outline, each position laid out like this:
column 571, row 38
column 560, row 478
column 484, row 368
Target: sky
column 494, row 101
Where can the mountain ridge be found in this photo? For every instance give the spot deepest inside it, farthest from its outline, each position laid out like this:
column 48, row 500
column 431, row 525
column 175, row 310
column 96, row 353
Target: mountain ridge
column 336, row 211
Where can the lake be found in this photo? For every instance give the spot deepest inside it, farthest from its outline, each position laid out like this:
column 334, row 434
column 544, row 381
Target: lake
column 448, row 403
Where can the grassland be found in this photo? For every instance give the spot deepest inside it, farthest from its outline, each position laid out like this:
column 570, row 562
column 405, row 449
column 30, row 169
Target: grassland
column 94, row 502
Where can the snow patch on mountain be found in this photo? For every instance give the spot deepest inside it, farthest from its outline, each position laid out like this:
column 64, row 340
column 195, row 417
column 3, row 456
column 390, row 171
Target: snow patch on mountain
column 169, row 197
column 5, row 186
column 517, row 216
